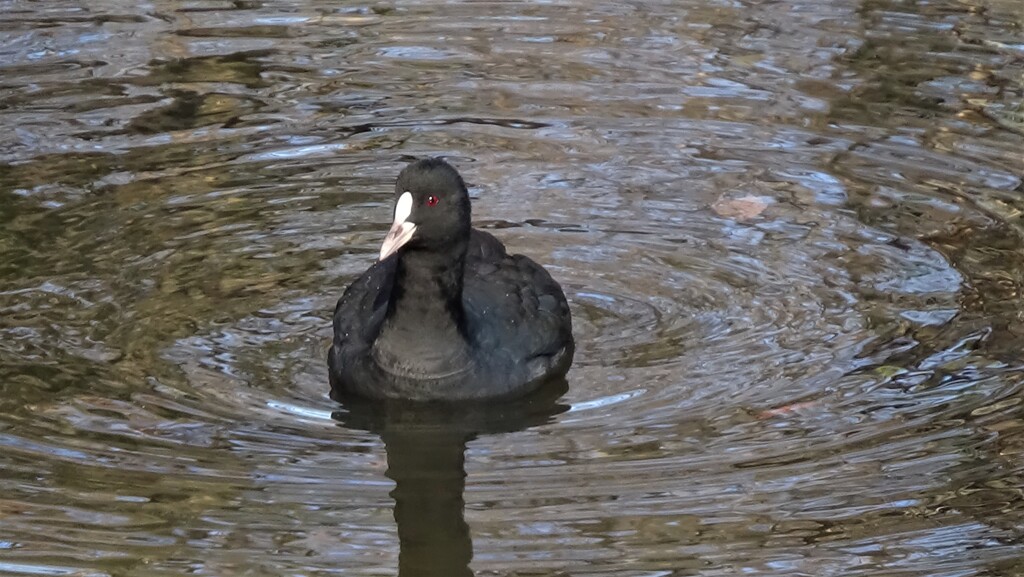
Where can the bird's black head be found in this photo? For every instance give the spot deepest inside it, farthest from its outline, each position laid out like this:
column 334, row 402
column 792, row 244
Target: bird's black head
column 431, row 208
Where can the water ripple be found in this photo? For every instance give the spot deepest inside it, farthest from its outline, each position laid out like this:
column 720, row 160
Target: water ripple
column 789, row 234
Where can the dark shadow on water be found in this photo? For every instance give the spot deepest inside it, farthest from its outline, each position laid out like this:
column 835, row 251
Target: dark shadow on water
column 426, row 445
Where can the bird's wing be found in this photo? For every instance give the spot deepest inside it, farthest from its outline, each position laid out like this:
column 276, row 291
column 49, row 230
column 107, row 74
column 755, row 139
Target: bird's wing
column 360, row 310
column 512, row 303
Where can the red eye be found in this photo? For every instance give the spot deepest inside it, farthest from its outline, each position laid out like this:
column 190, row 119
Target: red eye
column 433, row 200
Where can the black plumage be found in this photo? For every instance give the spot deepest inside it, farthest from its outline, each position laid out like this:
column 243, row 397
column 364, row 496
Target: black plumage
column 447, row 313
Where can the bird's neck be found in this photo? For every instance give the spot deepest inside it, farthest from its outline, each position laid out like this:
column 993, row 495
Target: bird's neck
column 424, row 328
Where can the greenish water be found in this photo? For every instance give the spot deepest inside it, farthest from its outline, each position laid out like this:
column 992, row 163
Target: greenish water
column 790, row 233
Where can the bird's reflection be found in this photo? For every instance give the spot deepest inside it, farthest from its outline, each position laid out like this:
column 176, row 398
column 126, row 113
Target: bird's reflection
column 429, row 479
column 426, row 445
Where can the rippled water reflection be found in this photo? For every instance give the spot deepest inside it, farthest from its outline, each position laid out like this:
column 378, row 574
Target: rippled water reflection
column 790, row 234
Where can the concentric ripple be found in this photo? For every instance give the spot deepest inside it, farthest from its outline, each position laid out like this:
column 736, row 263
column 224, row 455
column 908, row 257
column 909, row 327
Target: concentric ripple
column 789, row 234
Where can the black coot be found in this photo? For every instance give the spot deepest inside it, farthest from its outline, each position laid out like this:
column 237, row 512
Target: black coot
column 446, row 313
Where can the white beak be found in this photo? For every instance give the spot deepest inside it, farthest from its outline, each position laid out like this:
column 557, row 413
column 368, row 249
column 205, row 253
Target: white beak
column 401, row 230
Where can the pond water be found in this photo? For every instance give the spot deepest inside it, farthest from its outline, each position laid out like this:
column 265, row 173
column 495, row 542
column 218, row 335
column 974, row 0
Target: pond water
column 790, row 233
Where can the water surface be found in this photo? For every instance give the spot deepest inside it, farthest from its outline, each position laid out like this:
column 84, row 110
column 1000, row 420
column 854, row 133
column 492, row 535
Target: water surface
column 790, row 233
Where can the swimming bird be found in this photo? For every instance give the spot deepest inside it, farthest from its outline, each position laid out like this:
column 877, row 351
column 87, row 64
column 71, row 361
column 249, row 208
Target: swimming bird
column 446, row 314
